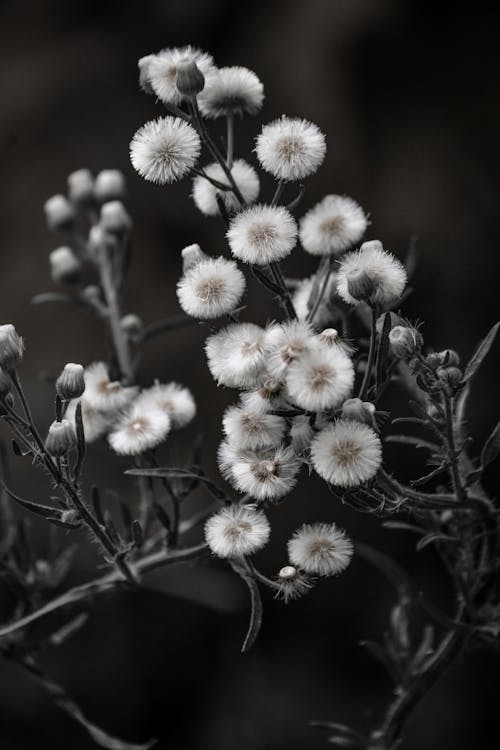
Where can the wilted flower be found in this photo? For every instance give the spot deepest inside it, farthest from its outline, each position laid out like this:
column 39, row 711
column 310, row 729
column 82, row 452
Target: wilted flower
column 320, row 379
column 262, row 234
column 211, row 288
column 236, row 355
column 205, row 194
column 160, row 71
column 332, row 226
column 164, row 150
column 231, row 91
column 371, row 274
column 71, row 382
column 237, row 530
column 320, row 549
column 61, row 438
column 143, row 428
column 290, row 148
column 267, row 474
column 292, row 583
column 346, row 453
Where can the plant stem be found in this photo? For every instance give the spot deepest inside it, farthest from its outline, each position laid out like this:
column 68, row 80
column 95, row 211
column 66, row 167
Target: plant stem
column 371, row 356
column 119, row 337
column 230, row 140
column 285, row 294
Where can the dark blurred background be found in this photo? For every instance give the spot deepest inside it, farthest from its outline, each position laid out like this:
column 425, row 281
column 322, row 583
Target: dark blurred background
column 407, row 94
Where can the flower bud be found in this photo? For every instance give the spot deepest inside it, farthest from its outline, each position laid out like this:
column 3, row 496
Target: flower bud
column 451, row 375
column 59, row 213
column 330, row 336
column 359, row 411
column 360, row 285
column 190, row 80
column 109, row 185
column 61, row 438
column 114, row 217
column 288, row 573
column 11, row 347
column 131, row 324
column 81, row 188
column 405, row 341
column 92, row 293
column 65, row 268
column 396, row 320
column 70, row 383
column 449, row 358
column 191, row 256
column 144, row 65
column 100, row 241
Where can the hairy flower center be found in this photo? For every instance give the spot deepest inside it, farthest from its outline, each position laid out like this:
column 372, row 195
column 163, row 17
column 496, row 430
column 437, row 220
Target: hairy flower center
column 263, row 470
column 261, row 234
column 210, row 290
column 289, row 147
column 252, row 423
column 291, row 351
column 321, row 548
column 107, row 386
column 320, row 376
column 333, row 225
column 250, row 347
column 345, row 452
column 237, row 530
column 138, row 425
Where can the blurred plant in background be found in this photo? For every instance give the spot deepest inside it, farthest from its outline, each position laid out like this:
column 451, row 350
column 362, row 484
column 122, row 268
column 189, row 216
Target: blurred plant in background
column 310, row 385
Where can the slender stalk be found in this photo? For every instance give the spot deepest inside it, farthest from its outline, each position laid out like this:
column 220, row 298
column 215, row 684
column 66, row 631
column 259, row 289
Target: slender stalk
column 320, row 296
column 452, row 449
column 371, row 356
column 285, row 293
column 118, row 335
column 229, row 140
column 279, row 190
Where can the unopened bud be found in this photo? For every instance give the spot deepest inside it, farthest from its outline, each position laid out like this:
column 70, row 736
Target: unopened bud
column 405, row 341
column 70, row 383
column 190, row 80
column 65, row 268
column 92, row 293
column 81, row 187
column 330, row 336
column 144, row 65
column 288, row 573
column 359, row 411
column 59, row 213
column 131, row 324
column 360, row 285
column 61, row 438
column 100, row 241
column 396, row 320
column 191, row 256
column 114, row 217
column 109, row 185
column 11, row 347
column 449, row 358
column 451, row 375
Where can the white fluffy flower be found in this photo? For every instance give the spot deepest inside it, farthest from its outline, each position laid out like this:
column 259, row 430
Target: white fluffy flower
column 174, row 399
column 268, row 396
column 144, row 427
column 302, row 299
column 205, row 194
column 264, row 474
column 292, row 583
column 286, row 342
column 160, row 71
column 95, row 423
column 164, row 150
column 250, row 430
column 211, row 288
column 301, row 433
column 371, row 268
column 236, row 355
column 237, row 530
column 290, row 148
column 320, row 379
column 320, row 549
column 234, row 90
column 346, row 453
column 332, row 226
column 103, row 394
column 262, row 234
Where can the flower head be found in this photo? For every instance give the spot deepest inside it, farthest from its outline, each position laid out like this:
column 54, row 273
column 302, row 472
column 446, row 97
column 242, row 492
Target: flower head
column 211, row 288
column 61, row 438
column 320, row 549
column 249, row 430
column 286, row 342
column 320, row 379
column 304, row 299
column 160, row 71
column 371, row 274
column 236, row 355
column 237, row 530
column 262, row 234
column 11, row 347
column 65, row 268
column 332, row 226
column 231, row 91
column 164, row 150
column 95, row 423
column 292, row 583
column 346, row 453
column 103, row 394
column 205, row 194
column 267, row 474
column 175, row 400
column 290, row 148
column 71, row 382
column 144, row 427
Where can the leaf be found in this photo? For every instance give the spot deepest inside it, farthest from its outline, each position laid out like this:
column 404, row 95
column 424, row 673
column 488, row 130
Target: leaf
column 137, row 534
column 19, row 451
column 64, row 518
column 180, row 474
column 256, row 611
column 383, row 352
column 39, row 299
column 401, row 526
column 412, row 440
column 491, row 447
column 412, row 256
column 434, row 537
column 480, row 353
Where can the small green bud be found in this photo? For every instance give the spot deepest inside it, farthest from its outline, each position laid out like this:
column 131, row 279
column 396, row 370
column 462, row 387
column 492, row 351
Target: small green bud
column 70, row 383
column 11, row 347
column 360, row 285
column 190, row 80
column 405, row 341
column 61, row 438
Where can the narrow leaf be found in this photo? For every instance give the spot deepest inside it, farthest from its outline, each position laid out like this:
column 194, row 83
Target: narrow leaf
column 383, row 352
column 54, row 515
column 480, row 353
column 491, row 447
column 435, row 537
column 256, row 611
column 412, row 440
column 181, row 474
